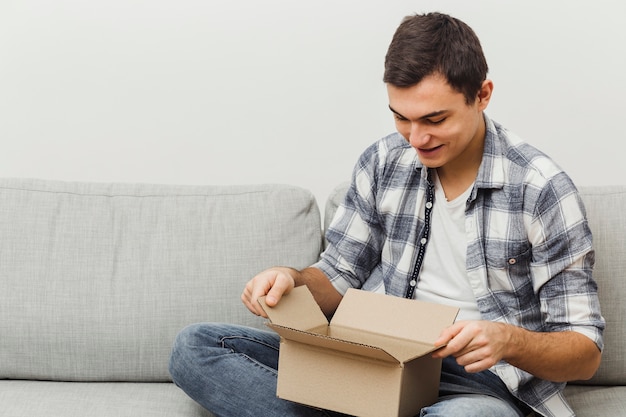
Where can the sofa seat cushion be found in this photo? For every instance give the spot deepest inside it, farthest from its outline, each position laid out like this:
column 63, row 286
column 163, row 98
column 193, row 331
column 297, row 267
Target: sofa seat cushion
column 95, row 399
column 596, row 400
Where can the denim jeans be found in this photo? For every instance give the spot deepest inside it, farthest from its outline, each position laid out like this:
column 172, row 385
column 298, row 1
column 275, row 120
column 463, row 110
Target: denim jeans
column 231, row 371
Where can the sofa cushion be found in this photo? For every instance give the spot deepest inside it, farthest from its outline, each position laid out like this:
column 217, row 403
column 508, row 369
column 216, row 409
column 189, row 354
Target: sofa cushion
column 97, row 279
column 607, row 220
column 96, row 399
column 594, row 401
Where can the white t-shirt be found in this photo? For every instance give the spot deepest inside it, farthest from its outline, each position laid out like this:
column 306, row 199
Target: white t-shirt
column 443, row 278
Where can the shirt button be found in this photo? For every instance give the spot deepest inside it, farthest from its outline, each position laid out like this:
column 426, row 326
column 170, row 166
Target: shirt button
column 413, row 283
column 429, row 205
column 423, row 241
column 512, row 261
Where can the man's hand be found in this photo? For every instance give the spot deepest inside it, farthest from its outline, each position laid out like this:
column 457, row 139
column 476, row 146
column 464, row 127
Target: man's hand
column 476, row 345
column 554, row 356
column 278, row 281
column 273, row 283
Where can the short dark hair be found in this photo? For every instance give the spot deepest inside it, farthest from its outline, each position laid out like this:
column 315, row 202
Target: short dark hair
column 436, row 43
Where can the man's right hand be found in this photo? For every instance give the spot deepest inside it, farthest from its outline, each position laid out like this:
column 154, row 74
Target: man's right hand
column 272, row 283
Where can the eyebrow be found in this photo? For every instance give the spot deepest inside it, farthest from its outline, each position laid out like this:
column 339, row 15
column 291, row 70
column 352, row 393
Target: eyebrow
column 426, row 116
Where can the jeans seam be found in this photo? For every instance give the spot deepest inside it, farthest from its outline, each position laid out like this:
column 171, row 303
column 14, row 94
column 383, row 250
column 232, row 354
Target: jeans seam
column 250, row 359
column 224, row 338
column 259, row 364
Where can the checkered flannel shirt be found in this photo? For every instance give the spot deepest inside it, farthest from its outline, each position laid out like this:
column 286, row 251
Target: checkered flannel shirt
column 529, row 248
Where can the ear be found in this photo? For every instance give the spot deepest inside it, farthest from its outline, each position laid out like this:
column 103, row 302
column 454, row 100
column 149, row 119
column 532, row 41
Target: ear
column 484, row 94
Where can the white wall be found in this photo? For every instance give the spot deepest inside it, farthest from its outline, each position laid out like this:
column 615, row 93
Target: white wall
column 249, row 91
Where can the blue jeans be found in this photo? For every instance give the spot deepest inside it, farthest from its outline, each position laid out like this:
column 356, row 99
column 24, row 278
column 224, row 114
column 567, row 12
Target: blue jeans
column 231, row 371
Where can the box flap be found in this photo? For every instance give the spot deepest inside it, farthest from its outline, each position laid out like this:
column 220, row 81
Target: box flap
column 393, row 316
column 297, row 310
column 403, row 350
column 298, row 317
column 377, row 326
column 325, row 342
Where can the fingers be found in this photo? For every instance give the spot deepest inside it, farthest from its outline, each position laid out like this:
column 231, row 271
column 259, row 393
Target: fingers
column 247, row 297
column 448, row 338
column 473, row 344
column 280, row 287
column 273, row 283
column 476, row 360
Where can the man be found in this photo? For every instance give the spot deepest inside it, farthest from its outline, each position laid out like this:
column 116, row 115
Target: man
column 452, row 209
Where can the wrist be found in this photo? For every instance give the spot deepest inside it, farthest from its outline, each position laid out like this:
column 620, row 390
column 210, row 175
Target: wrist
column 515, row 341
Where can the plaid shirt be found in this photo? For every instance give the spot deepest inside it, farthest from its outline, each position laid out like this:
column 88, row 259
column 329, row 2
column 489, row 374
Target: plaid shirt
column 529, row 248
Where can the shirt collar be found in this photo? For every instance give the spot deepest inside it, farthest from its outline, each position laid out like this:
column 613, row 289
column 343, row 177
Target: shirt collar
column 491, row 171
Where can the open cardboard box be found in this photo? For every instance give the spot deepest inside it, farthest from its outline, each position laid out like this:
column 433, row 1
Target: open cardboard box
column 373, row 359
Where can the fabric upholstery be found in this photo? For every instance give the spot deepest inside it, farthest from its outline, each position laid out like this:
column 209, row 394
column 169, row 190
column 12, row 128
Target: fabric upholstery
column 96, row 399
column 595, row 400
column 97, row 279
column 607, row 220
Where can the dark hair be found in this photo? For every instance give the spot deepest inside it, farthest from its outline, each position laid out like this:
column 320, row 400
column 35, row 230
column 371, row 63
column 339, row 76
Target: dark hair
column 436, row 43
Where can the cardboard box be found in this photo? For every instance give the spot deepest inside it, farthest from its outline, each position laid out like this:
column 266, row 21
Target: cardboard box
column 373, row 359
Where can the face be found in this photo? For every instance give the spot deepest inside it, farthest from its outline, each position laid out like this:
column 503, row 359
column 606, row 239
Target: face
column 436, row 120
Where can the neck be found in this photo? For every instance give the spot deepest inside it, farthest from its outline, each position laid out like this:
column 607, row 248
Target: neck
column 456, row 176
column 456, row 185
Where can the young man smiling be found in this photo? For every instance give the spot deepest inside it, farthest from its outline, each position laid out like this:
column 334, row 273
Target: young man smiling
column 452, row 209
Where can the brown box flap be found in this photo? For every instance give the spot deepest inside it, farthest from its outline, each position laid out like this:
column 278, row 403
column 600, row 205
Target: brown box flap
column 377, row 326
column 298, row 317
column 393, row 316
column 297, row 310
column 402, row 350
column 326, row 342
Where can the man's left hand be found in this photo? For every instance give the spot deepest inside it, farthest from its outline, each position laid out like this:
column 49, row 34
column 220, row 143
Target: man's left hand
column 476, row 345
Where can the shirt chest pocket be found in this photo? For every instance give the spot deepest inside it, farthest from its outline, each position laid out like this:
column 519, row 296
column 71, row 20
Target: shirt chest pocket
column 508, row 265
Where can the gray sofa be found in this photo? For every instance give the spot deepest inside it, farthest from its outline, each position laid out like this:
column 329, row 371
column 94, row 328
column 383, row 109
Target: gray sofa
column 97, row 279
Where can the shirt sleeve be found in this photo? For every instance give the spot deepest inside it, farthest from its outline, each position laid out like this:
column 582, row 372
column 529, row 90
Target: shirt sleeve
column 563, row 259
column 355, row 235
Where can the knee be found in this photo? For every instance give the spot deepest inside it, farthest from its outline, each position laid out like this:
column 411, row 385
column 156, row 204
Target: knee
column 184, row 349
column 186, row 338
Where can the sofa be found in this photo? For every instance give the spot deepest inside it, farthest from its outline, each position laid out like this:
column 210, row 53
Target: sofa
column 97, row 279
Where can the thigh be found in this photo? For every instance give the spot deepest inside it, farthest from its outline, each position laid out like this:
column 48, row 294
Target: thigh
column 470, row 405
column 260, row 345
column 214, row 339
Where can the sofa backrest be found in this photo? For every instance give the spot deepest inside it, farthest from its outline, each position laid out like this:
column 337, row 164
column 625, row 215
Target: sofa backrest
column 96, row 280
column 607, row 220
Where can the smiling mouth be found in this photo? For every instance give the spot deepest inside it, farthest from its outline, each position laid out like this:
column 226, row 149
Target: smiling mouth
column 429, row 150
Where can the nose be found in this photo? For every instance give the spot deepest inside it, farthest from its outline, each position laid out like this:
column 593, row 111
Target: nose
column 418, row 136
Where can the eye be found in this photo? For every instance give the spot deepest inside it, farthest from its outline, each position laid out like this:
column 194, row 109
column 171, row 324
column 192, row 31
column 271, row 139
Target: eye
column 399, row 118
column 436, row 121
